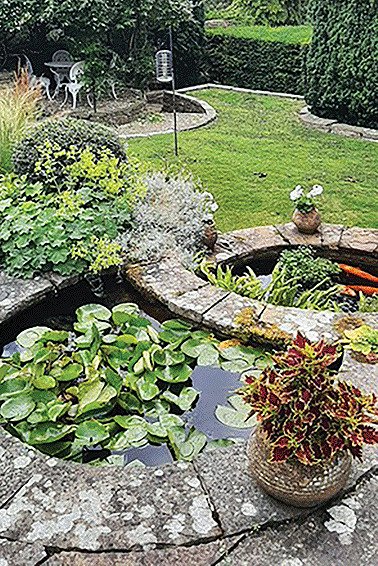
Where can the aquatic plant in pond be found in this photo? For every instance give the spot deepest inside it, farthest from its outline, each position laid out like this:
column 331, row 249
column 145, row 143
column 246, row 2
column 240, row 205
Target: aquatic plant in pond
column 113, row 383
column 300, row 279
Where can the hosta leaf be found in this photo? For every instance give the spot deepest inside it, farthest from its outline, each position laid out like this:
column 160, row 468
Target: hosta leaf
column 91, row 432
column 17, row 408
column 29, row 337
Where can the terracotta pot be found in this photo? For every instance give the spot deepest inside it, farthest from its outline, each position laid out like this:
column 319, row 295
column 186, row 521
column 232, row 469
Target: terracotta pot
column 307, row 222
column 294, row 483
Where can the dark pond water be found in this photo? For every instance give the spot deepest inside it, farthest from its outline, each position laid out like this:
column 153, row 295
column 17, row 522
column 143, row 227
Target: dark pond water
column 214, row 384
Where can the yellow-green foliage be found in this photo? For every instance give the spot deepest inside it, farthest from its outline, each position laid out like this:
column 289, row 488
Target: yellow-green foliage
column 18, row 110
column 100, row 253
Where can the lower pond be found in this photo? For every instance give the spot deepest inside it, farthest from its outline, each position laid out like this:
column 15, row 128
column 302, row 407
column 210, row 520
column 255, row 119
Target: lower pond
column 213, row 384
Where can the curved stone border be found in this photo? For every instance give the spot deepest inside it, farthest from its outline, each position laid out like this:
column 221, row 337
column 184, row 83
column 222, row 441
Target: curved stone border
column 335, row 127
column 55, row 512
column 209, row 115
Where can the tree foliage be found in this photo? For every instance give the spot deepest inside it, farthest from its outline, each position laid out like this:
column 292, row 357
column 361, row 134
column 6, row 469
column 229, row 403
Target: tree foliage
column 131, row 28
column 342, row 69
column 269, row 12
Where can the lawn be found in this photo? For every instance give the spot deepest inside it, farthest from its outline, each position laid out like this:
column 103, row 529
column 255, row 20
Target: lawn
column 258, row 150
column 282, row 34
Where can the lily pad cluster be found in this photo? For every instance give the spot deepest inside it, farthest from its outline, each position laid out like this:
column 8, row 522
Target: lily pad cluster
column 113, row 383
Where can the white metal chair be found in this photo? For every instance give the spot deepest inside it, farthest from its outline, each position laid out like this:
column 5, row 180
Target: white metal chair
column 75, row 84
column 35, row 81
column 60, row 73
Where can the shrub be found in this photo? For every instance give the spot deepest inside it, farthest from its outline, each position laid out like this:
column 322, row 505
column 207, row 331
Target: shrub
column 67, row 232
column 62, row 135
column 18, row 110
column 169, row 218
column 268, row 12
column 306, row 413
column 342, row 67
column 254, row 63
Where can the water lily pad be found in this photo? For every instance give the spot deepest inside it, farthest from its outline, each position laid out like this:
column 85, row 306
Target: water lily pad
column 44, row 382
column 146, row 387
column 128, row 421
column 93, row 311
column 175, row 374
column 185, row 400
column 168, row 357
column 236, row 415
column 91, row 432
column 12, row 387
column 235, row 366
column 27, row 338
column 17, row 408
column 44, row 432
column 68, row 373
column 121, row 313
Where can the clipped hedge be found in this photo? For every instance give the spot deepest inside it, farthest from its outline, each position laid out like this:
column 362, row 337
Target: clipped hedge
column 255, row 63
column 342, row 66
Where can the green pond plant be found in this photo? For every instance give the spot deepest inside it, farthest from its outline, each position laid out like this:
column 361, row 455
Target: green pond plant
column 114, row 382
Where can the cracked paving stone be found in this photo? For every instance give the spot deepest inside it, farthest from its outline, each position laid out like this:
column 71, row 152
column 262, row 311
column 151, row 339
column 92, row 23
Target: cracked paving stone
column 18, row 463
column 68, row 505
column 14, row 553
column 194, row 304
column 197, row 555
column 239, row 502
column 344, row 535
column 222, row 316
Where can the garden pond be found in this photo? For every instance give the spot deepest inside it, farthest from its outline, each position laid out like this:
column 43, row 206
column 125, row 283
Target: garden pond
column 162, row 391
column 302, row 277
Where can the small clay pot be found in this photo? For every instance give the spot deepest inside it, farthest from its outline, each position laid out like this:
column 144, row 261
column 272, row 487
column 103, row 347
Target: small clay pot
column 293, row 482
column 307, row 222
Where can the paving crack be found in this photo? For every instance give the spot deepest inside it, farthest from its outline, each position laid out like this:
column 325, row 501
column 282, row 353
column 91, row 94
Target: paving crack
column 213, row 508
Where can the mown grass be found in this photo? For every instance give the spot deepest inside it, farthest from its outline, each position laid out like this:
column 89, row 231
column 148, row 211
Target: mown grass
column 285, row 34
column 258, row 150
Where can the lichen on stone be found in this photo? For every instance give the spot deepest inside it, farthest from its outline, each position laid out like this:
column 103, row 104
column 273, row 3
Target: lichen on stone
column 255, row 331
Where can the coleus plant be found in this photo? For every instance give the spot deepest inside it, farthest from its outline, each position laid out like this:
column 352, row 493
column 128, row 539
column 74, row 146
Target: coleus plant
column 307, row 414
column 114, row 382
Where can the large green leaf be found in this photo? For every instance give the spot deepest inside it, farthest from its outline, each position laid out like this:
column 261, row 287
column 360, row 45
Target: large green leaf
column 44, row 432
column 91, row 432
column 121, row 313
column 236, row 415
column 185, row 400
column 175, row 374
column 44, row 382
column 68, row 373
column 27, row 338
column 128, row 421
column 17, row 408
column 168, row 357
column 12, row 387
column 146, row 387
column 93, row 311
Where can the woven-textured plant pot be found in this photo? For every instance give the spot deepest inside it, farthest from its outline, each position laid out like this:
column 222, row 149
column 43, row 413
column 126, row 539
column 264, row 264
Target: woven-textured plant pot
column 294, row 483
column 307, row 222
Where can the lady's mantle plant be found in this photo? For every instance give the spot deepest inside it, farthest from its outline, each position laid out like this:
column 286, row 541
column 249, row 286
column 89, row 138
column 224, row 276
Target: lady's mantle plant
column 305, row 203
column 307, row 414
column 112, row 383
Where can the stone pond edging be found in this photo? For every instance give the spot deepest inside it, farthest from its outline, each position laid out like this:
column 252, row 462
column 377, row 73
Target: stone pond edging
column 64, row 514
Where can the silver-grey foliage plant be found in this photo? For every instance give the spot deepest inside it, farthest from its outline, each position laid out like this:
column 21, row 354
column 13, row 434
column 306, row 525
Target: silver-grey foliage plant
column 169, row 219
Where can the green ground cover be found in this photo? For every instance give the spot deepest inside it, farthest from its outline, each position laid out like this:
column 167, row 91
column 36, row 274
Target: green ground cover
column 258, row 150
column 283, row 34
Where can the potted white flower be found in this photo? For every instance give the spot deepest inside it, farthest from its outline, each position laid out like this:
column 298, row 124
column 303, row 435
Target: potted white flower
column 306, row 217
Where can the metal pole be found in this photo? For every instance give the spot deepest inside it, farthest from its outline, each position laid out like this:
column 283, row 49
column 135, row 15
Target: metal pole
column 173, row 93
